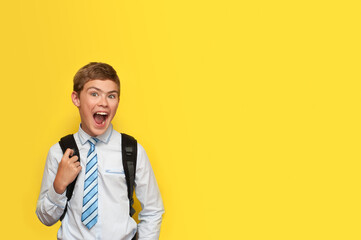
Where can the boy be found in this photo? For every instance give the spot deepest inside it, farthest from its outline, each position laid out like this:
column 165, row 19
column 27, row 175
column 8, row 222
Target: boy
column 99, row 207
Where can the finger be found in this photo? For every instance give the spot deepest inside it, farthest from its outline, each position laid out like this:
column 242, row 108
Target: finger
column 68, row 153
column 74, row 158
column 77, row 164
column 78, row 169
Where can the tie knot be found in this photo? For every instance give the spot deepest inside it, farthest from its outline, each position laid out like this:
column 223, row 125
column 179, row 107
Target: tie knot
column 93, row 141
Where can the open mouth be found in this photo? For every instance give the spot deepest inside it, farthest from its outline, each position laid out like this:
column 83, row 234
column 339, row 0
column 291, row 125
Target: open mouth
column 100, row 117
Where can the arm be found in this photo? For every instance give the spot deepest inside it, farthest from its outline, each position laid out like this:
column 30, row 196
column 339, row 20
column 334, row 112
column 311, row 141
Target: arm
column 59, row 171
column 148, row 194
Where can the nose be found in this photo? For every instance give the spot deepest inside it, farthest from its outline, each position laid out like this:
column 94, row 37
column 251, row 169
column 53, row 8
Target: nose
column 103, row 101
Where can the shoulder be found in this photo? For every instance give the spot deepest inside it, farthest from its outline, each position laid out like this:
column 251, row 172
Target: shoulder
column 142, row 157
column 140, row 149
column 55, row 149
column 54, row 155
column 139, row 146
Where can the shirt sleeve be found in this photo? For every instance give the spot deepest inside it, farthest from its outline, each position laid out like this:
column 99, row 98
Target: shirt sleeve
column 50, row 205
column 148, row 194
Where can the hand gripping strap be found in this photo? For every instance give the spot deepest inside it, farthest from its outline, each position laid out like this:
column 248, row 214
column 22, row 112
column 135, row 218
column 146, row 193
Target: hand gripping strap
column 65, row 143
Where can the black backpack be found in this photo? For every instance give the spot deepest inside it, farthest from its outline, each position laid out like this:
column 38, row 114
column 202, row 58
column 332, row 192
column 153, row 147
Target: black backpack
column 129, row 156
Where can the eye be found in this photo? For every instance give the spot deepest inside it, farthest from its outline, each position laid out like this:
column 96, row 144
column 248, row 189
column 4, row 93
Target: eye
column 94, row 94
column 112, row 96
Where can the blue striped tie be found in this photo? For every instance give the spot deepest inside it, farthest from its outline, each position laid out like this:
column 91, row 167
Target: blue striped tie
column 90, row 200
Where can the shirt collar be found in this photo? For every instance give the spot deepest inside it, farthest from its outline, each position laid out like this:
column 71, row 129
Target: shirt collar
column 105, row 137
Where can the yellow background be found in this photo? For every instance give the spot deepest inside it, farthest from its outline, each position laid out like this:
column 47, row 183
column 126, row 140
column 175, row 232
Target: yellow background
column 249, row 110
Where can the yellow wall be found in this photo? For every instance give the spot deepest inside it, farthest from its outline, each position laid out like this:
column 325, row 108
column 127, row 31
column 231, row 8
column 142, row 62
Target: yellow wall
column 249, row 110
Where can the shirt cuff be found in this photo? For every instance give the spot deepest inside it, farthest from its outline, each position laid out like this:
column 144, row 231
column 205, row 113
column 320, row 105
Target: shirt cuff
column 57, row 199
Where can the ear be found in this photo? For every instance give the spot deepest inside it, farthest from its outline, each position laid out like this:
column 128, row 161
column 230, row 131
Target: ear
column 75, row 98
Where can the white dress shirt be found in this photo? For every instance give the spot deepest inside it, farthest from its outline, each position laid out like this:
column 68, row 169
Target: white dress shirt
column 114, row 222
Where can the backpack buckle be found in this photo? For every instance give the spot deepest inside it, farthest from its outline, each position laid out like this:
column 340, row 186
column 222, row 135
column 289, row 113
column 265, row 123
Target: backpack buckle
column 128, row 151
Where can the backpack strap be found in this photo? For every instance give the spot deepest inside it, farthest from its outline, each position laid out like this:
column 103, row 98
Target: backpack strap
column 65, row 143
column 129, row 156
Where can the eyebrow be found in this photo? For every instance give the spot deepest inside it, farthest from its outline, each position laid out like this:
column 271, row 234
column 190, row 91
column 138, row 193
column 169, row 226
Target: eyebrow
column 98, row 89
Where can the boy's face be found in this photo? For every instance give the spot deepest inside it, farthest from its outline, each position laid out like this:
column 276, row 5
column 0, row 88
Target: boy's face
column 97, row 103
